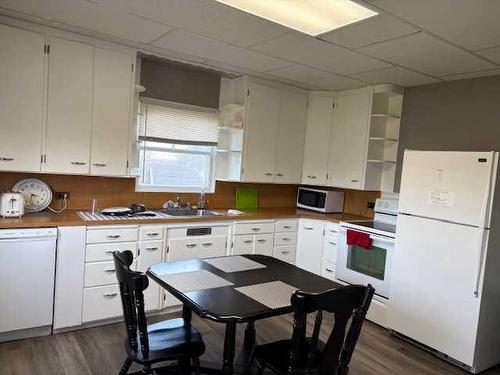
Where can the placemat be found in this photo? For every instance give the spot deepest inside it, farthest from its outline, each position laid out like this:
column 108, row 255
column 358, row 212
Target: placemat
column 274, row 294
column 234, row 263
column 194, row 280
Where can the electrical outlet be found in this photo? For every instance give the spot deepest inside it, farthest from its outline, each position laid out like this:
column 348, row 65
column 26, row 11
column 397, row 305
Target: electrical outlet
column 62, row 195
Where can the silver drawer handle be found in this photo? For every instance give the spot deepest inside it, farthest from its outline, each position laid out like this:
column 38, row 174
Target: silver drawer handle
column 287, row 227
column 248, row 241
column 191, row 245
column 261, row 241
column 110, row 295
column 285, row 252
column 332, row 243
column 313, row 177
column 152, row 234
column 268, row 174
column 78, row 163
column 286, row 239
column 308, row 228
column 109, row 271
column 279, row 174
column 113, row 236
column 98, row 164
column 151, row 248
column 255, row 229
column 354, row 180
column 6, row 159
column 328, row 270
column 207, row 244
column 333, row 231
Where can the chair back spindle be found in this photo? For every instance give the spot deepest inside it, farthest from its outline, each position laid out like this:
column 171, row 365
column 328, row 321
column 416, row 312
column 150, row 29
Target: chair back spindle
column 132, row 285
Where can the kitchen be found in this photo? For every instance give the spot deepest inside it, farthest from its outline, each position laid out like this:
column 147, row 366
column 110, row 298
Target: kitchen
column 187, row 130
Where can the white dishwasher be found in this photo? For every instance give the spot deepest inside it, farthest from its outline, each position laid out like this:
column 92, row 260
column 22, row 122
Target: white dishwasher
column 28, row 259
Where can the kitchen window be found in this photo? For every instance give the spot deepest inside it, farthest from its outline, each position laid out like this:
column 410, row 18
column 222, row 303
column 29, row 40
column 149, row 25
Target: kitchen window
column 177, row 147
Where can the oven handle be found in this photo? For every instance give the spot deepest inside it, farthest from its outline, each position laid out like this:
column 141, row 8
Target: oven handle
column 374, row 236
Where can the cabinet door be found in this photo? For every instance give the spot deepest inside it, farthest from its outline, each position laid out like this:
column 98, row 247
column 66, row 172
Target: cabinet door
column 264, row 244
column 317, row 146
column 310, row 245
column 69, row 111
column 21, row 98
column 261, row 134
column 111, row 113
column 213, row 246
column 347, row 161
column 182, row 249
column 243, row 244
column 291, row 138
column 150, row 253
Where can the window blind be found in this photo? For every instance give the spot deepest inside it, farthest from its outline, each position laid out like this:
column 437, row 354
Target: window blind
column 177, row 124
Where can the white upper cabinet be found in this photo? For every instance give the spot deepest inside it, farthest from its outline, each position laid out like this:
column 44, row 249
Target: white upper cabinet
column 21, row 99
column 292, row 127
column 261, row 136
column 317, row 144
column 348, row 148
column 111, row 112
column 69, row 111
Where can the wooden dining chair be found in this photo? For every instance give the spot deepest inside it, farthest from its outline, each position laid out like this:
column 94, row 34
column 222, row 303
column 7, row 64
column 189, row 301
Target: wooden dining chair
column 147, row 344
column 309, row 355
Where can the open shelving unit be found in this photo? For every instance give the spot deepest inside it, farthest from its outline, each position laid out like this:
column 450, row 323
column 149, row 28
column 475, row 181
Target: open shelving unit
column 383, row 141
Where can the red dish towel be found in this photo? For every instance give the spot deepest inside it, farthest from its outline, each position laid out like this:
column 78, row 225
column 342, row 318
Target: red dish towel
column 359, row 239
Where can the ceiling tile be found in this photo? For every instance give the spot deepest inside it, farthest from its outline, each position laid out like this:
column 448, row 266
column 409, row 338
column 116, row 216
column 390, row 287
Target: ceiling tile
column 468, row 23
column 395, row 76
column 319, row 54
column 193, row 44
column 484, row 73
column 93, row 17
column 427, row 54
column 208, row 18
column 314, row 77
column 492, row 54
column 372, row 30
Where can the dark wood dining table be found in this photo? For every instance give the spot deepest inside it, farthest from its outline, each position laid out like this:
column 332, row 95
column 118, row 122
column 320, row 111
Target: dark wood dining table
column 229, row 306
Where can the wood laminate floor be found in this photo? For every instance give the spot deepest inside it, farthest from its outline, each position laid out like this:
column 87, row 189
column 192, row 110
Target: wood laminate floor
column 99, row 351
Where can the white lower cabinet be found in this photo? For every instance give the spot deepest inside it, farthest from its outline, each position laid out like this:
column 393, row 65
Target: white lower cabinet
column 151, row 252
column 330, row 246
column 101, row 302
column 285, row 240
column 253, row 238
column 310, row 245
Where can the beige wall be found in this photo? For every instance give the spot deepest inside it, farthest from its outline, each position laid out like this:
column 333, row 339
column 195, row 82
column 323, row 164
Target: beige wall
column 459, row 115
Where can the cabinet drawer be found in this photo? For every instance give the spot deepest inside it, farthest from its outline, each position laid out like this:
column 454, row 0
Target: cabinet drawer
column 328, row 270
column 243, row 244
column 332, row 229
column 151, row 233
column 150, row 249
column 112, row 235
column 101, row 273
column 285, row 239
column 183, row 232
column 98, row 252
column 264, row 244
column 182, row 249
column 287, row 225
column 285, row 253
column 330, row 247
column 101, row 302
column 254, row 228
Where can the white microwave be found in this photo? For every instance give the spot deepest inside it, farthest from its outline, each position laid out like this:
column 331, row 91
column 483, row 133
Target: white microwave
column 320, row 200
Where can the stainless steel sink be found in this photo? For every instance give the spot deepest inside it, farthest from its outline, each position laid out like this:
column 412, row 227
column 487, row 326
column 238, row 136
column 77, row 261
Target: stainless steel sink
column 189, row 212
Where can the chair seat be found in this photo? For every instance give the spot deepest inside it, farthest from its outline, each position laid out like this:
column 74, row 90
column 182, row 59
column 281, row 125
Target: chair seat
column 276, row 355
column 169, row 340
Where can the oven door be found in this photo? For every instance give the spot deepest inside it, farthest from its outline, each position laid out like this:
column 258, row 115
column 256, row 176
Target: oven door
column 356, row 265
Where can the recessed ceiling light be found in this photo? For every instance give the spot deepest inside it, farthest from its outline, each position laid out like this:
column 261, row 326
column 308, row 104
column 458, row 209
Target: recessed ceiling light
column 313, row 17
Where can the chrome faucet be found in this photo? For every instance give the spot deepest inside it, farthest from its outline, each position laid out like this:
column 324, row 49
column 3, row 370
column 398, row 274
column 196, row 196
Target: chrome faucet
column 201, row 202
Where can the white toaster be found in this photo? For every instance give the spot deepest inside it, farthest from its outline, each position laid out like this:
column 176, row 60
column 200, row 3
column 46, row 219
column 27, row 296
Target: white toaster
column 11, row 204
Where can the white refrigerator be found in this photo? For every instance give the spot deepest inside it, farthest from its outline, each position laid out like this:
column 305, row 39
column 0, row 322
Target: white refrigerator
column 445, row 291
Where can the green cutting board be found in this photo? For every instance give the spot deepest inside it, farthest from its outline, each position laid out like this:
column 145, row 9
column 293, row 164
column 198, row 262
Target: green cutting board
column 247, row 199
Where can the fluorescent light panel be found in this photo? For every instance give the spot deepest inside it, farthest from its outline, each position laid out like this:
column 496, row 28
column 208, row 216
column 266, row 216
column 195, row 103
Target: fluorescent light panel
column 313, row 17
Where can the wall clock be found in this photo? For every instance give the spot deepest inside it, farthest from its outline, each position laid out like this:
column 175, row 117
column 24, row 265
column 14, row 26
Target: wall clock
column 37, row 194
